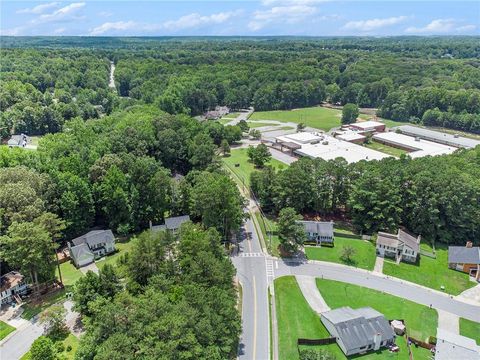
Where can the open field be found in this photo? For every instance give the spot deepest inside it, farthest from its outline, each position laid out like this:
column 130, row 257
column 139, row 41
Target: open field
column 420, row 320
column 296, row 320
column 470, row 329
column 390, row 150
column 392, row 123
column 316, row 117
column 432, row 273
column 239, row 156
column 5, row 329
column 364, row 252
column 257, row 124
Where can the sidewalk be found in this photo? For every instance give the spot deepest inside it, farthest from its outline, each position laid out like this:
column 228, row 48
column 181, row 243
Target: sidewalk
column 309, row 289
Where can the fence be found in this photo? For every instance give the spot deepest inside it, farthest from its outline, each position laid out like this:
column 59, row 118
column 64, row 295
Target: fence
column 422, row 344
column 325, row 341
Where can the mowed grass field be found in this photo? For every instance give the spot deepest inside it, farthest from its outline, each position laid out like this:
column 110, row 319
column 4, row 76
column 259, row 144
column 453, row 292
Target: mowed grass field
column 470, row 329
column 432, row 273
column 316, row 117
column 5, row 329
column 245, row 168
column 364, row 252
column 421, row 321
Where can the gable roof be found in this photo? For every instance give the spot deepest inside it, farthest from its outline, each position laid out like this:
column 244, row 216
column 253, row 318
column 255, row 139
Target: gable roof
column 387, row 239
column 174, row 223
column 80, row 252
column 95, row 237
column 464, row 255
column 357, row 328
column 402, row 237
column 10, row 280
column 322, row 228
column 409, row 240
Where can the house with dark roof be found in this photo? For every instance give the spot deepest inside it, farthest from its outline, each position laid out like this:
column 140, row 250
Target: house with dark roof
column 358, row 330
column 172, row 224
column 93, row 245
column 12, row 287
column 465, row 259
column 318, row 231
column 401, row 246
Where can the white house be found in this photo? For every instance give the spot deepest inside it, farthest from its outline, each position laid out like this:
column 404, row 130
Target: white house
column 93, row 245
column 400, row 246
column 318, row 231
column 12, row 286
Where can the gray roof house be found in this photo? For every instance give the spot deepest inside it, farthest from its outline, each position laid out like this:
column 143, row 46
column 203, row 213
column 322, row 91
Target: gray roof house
column 93, row 245
column 465, row 258
column 453, row 346
column 172, row 224
column 17, row 141
column 358, row 330
column 318, row 231
column 401, row 246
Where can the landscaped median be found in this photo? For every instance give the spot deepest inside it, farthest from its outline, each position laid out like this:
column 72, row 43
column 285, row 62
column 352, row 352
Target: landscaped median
column 297, row 320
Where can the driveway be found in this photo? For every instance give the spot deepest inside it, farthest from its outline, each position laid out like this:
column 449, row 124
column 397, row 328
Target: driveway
column 448, row 321
column 92, row 267
column 310, row 292
column 19, row 343
column 379, row 265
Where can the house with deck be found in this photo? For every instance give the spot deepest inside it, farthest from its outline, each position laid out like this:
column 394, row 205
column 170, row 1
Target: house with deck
column 401, row 246
column 12, row 288
column 318, row 231
column 93, row 245
column 358, row 331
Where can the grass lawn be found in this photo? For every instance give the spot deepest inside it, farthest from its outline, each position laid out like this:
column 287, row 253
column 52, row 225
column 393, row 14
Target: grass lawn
column 70, row 274
column 30, row 309
column 390, row 150
column 470, row 329
column 122, row 247
column 421, row 321
column 224, row 121
column 296, row 320
column 316, row 117
column 391, row 123
column 5, row 329
column 71, row 340
column 257, row 124
column 239, row 156
column 364, row 257
column 272, row 226
column 432, row 273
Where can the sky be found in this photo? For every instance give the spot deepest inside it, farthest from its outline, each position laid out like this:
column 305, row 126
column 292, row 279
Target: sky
column 231, row 18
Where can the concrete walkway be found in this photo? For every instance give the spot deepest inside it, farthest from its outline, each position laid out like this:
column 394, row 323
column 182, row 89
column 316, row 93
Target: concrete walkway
column 448, row 321
column 309, row 289
column 378, row 268
column 92, row 267
column 471, row 295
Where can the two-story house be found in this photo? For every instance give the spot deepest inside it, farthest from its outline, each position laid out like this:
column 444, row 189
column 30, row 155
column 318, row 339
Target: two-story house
column 172, row 224
column 93, row 245
column 318, row 231
column 400, row 246
column 12, row 287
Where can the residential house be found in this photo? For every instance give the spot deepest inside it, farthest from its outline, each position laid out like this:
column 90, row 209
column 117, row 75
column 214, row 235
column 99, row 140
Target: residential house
column 400, row 246
column 318, row 231
column 172, row 224
column 18, row 141
column 358, row 330
column 465, row 258
column 12, row 287
column 93, row 245
column 453, row 346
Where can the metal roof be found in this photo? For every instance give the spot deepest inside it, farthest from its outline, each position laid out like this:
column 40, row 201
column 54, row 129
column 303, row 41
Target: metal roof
column 463, row 255
column 459, row 141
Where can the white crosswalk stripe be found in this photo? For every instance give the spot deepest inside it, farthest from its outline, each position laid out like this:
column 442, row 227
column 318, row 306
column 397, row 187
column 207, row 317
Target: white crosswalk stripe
column 269, row 268
column 251, row 255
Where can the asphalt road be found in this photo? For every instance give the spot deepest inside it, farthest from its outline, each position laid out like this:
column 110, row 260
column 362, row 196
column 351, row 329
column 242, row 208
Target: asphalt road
column 252, row 274
column 19, row 343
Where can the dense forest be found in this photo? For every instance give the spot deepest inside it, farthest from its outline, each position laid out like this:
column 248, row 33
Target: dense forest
column 437, row 197
column 434, row 81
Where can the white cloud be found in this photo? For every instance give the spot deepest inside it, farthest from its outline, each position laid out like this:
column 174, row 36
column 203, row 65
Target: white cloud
column 281, row 14
column 105, row 14
column 113, row 26
column 195, row 20
column 64, row 13
column 291, row 2
column 59, row 31
column 441, row 26
column 373, row 24
column 39, row 9
column 12, row 32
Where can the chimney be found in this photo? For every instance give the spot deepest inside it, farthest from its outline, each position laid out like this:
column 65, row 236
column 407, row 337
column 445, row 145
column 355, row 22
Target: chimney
column 469, row 244
column 377, row 340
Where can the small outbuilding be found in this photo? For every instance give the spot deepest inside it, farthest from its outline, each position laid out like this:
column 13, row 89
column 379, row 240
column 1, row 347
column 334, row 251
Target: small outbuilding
column 398, row 327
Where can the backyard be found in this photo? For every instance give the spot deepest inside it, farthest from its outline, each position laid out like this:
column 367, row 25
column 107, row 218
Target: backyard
column 390, row 150
column 432, row 273
column 470, row 329
column 245, row 168
column 364, row 256
column 5, row 329
column 421, row 321
column 315, row 117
